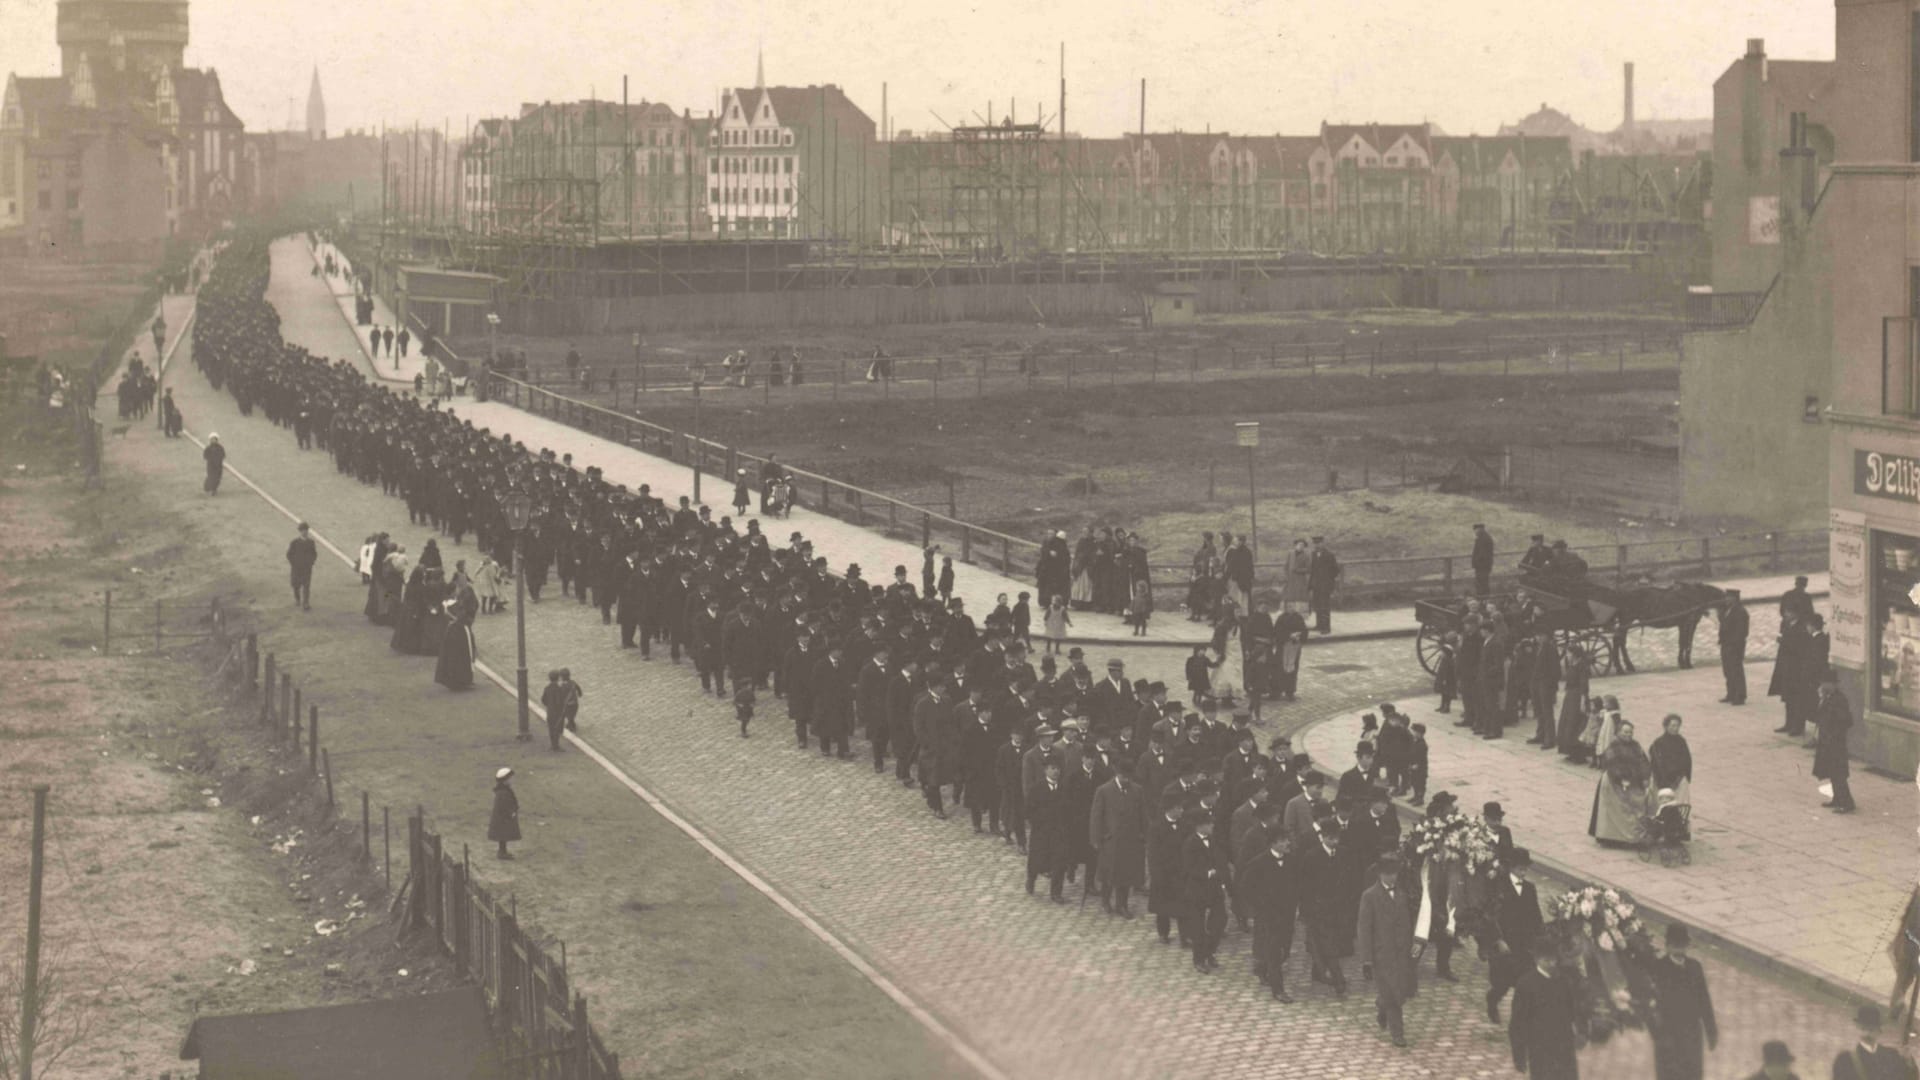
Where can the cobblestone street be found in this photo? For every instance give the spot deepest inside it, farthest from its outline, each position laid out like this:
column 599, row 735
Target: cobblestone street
column 1042, row 991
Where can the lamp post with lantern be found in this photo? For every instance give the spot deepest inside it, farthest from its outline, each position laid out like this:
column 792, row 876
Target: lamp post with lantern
column 519, row 509
column 697, row 375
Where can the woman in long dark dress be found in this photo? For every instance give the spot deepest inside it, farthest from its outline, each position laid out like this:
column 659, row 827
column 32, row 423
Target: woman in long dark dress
column 435, row 591
column 1053, row 574
column 1576, row 681
column 375, row 610
column 1672, row 762
column 413, row 614
column 455, row 669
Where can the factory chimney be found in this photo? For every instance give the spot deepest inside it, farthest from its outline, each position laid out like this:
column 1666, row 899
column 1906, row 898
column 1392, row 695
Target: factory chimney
column 1626, row 125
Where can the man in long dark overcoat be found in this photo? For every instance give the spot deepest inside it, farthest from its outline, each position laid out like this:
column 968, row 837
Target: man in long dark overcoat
column 1117, row 828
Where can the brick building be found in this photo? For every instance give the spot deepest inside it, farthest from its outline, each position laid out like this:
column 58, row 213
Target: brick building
column 127, row 145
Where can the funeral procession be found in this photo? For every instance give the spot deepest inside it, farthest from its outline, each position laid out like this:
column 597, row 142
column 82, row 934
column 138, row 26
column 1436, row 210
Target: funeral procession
column 952, row 542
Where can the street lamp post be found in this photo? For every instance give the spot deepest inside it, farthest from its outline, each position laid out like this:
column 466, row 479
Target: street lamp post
column 1247, row 434
column 519, row 508
column 493, row 337
column 698, row 374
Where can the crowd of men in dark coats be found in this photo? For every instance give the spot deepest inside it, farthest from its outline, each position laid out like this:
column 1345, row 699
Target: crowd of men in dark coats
column 1099, row 780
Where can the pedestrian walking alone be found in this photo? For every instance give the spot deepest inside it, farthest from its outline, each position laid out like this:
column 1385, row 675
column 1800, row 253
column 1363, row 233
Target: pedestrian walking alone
column 216, row 459
column 301, row 555
column 503, row 826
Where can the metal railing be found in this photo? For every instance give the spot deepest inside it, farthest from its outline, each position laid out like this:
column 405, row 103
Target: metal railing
column 1015, row 556
column 1723, row 310
column 1011, row 555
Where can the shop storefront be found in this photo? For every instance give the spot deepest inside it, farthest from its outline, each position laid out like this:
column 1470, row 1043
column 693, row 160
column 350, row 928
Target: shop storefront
column 1874, row 560
column 1895, row 619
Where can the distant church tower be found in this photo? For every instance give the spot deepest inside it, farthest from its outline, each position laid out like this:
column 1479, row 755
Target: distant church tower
column 316, row 110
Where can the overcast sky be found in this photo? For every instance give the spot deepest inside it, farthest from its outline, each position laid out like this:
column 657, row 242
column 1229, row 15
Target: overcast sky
column 1258, row 66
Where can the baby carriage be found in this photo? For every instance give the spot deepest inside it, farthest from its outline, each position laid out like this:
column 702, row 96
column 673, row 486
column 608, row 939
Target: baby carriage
column 1668, row 828
column 780, row 498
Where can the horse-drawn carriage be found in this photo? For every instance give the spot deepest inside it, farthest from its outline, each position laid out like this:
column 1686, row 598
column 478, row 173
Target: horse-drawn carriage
column 1586, row 618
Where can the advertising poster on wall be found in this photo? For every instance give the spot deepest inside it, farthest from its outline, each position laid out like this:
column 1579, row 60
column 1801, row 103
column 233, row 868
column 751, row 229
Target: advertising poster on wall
column 1847, row 588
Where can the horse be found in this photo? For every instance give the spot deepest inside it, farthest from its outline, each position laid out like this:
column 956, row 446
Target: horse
column 1660, row 607
column 1679, row 606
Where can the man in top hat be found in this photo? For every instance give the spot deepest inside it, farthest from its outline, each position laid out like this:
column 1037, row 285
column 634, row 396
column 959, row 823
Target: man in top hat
column 1388, row 953
column 1047, row 840
column 1203, row 868
column 1496, row 818
column 1515, row 930
column 1733, row 648
column 1546, row 1005
column 1683, row 1028
column 1866, row 1059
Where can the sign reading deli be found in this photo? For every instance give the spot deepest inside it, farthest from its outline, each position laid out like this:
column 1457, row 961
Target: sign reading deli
column 1886, row 476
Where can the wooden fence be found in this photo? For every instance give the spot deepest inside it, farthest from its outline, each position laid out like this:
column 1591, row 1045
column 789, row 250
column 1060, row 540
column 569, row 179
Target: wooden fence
column 543, row 1022
column 541, row 1025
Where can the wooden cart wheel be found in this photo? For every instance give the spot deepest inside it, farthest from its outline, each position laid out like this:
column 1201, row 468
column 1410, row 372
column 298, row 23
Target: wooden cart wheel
column 1427, row 645
column 1594, row 646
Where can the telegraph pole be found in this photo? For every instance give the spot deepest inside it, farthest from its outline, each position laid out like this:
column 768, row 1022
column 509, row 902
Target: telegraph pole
column 30, row 996
column 1247, row 434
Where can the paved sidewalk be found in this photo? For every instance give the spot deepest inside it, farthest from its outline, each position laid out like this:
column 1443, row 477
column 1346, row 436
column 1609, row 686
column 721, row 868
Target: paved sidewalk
column 1772, row 872
column 293, row 255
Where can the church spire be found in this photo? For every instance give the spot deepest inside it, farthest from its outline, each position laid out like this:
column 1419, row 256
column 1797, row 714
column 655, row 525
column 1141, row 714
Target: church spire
column 316, row 109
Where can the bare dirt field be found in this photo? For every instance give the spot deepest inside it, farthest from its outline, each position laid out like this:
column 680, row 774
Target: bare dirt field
column 164, row 895
column 1165, row 462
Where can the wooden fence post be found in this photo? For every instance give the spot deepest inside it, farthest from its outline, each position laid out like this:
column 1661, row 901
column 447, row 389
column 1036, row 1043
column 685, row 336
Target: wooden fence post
column 266, row 699
column 1620, row 561
column 926, row 529
column 1210, row 471
column 286, row 699
column 951, row 511
column 366, row 826
column 1773, row 551
column 327, row 759
column 966, row 544
column 386, row 843
column 1706, row 556
column 253, row 661
column 313, row 736
column 293, row 720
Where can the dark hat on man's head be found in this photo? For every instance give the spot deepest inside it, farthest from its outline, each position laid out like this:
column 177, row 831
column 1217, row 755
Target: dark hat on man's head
column 1519, row 859
column 1539, row 536
column 1678, row 936
column 1387, row 864
column 1492, row 810
column 1775, row 1052
column 1867, row 1018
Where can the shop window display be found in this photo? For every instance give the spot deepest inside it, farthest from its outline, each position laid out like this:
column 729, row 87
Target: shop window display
column 1897, row 617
